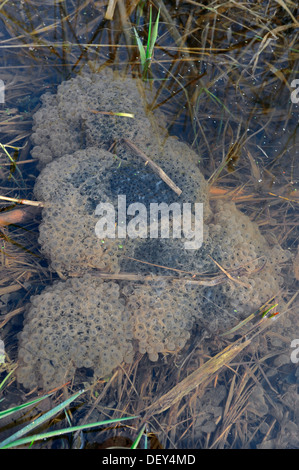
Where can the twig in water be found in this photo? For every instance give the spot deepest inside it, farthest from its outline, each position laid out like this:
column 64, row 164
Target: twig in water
column 154, row 167
column 22, row 201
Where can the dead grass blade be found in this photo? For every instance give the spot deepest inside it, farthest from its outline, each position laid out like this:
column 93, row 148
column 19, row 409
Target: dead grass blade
column 110, row 9
column 206, row 371
column 286, row 8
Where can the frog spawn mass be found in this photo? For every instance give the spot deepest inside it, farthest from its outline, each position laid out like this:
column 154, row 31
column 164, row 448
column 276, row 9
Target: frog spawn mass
column 84, row 321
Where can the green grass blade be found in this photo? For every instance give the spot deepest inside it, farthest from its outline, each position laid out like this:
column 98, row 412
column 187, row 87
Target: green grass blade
column 148, row 47
column 5, row 380
column 264, row 314
column 40, row 420
column 11, row 160
column 138, row 438
column 21, row 407
column 217, row 100
column 59, row 432
column 141, row 49
column 246, row 320
column 154, row 36
column 130, row 115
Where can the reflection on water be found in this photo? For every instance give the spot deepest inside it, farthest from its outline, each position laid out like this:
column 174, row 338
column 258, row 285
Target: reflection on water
column 222, row 79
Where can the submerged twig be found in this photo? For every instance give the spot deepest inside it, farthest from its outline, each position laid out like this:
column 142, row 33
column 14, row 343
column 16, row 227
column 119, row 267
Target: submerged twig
column 18, row 216
column 22, row 201
column 154, row 167
column 229, row 276
column 212, row 281
column 150, row 277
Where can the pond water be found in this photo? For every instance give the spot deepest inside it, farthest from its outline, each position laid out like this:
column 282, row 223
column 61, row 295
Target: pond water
column 224, row 81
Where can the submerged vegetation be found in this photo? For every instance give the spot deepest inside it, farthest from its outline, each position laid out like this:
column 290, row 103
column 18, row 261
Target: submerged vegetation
column 17, row 438
column 222, row 74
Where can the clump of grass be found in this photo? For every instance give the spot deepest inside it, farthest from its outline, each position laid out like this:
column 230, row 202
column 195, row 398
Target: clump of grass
column 146, row 54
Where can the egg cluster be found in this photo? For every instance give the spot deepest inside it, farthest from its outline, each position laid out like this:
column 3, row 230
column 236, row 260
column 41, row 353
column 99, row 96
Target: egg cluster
column 254, row 267
column 71, row 188
column 163, row 317
column 91, row 109
column 85, row 322
column 79, row 323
